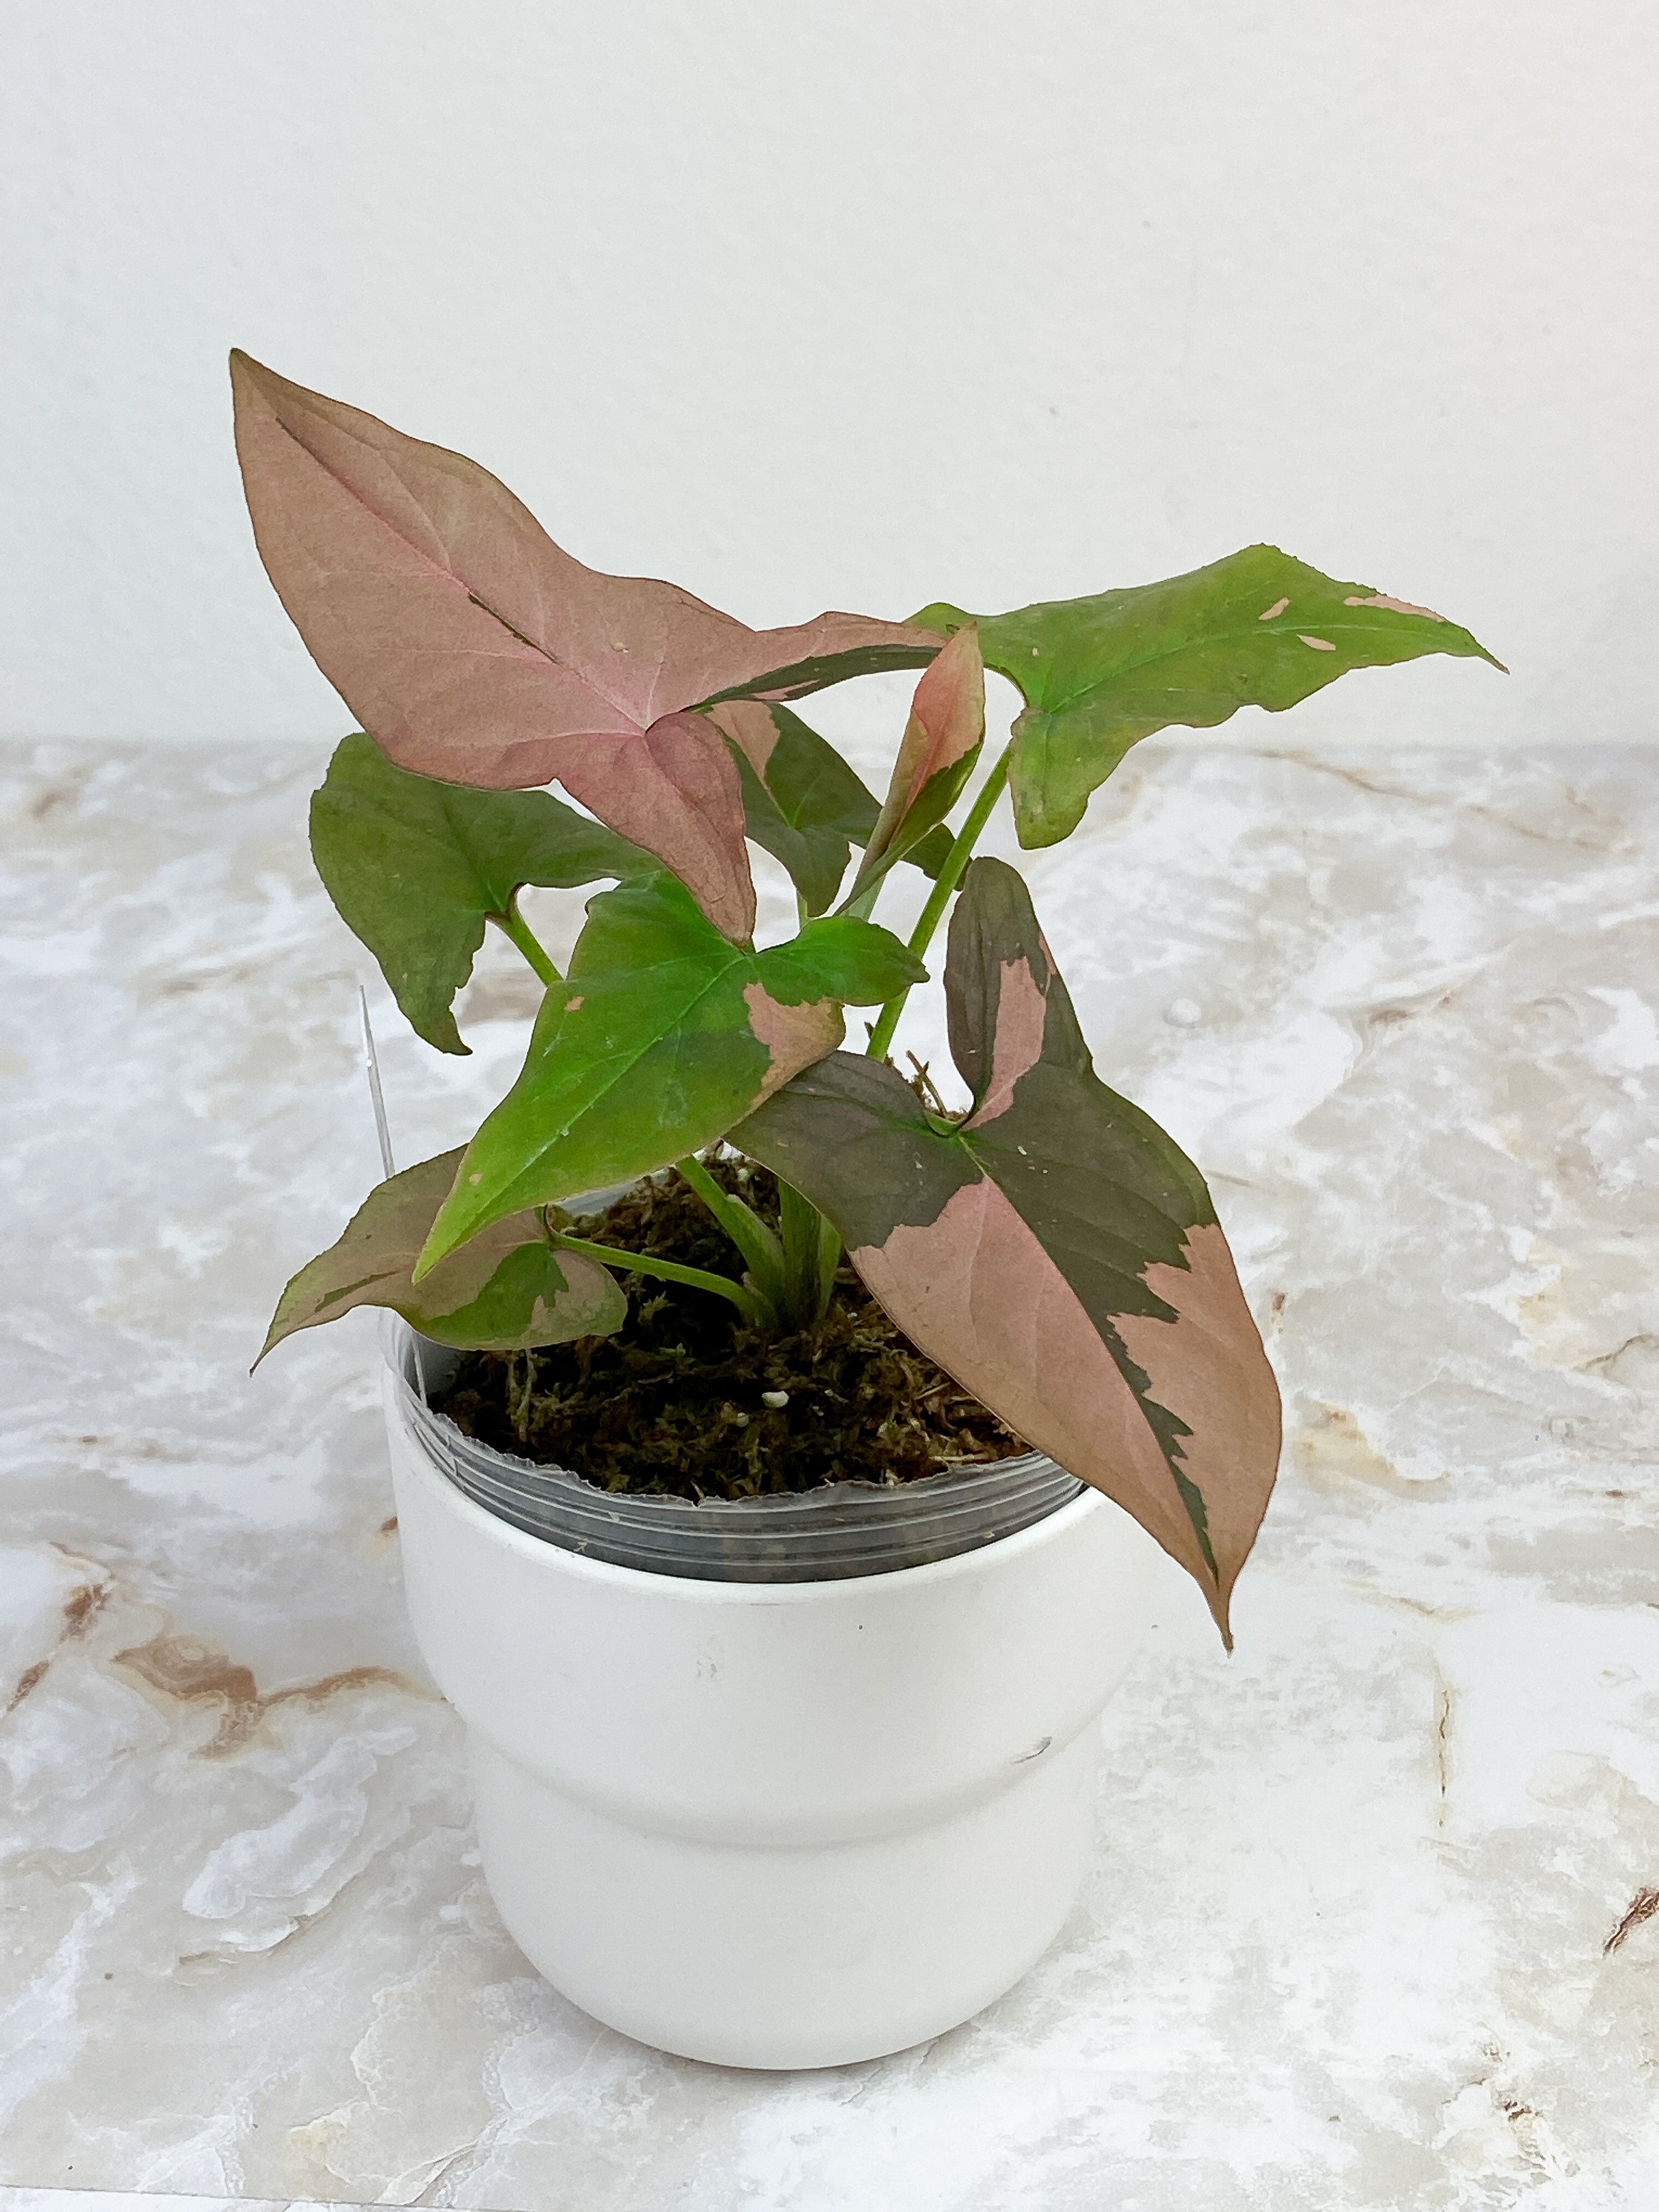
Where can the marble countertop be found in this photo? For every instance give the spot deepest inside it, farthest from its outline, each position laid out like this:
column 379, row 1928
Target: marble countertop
column 1371, row 1926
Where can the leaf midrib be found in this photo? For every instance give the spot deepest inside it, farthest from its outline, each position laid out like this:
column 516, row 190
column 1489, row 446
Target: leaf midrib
column 625, row 1068
column 453, row 576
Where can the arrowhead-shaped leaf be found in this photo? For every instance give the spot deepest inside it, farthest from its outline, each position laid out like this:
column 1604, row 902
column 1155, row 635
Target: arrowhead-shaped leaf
column 801, row 801
column 1257, row 629
column 664, row 1036
column 506, row 1291
column 417, row 868
column 941, row 742
column 472, row 649
column 1056, row 1250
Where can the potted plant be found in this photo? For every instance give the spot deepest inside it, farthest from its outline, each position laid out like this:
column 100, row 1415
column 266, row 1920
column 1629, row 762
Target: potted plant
column 779, row 1449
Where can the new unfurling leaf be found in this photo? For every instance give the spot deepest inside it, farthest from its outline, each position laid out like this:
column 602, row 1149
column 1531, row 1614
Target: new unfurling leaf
column 664, row 1035
column 508, row 1289
column 1257, row 629
column 1054, row 1250
column 473, row 649
column 936, row 756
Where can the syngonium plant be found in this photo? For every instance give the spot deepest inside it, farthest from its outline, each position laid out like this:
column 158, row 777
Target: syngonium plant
column 1050, row 1246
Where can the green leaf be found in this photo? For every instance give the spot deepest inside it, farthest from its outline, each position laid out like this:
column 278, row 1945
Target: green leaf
column 802, row 803
column 1055, row 1250
column 506, row 1291
column 664, row 1034
column 417, row 868
column 1257, row 629
column 931, row 852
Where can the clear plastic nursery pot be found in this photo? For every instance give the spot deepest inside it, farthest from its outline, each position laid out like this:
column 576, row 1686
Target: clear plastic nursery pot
column 786, row 1783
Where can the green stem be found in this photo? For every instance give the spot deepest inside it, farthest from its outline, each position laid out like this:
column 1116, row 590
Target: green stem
column 811, row 1250
column 949, row 877
column 513, row 924
column 753, row 1238
column 755, row 1309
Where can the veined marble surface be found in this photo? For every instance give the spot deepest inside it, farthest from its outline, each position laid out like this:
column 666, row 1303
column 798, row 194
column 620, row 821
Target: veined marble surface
column 1371, row 1927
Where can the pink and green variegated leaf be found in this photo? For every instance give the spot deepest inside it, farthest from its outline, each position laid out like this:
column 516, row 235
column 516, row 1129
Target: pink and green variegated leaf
column 940, row 745
column 1098, row 674
column 802, row 803
column 505, row 1291
column 1053, row 1249
column 664, row 1034
column 474, row 650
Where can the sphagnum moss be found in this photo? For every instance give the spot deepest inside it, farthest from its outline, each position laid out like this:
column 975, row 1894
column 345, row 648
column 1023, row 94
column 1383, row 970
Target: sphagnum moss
column 684, row 1400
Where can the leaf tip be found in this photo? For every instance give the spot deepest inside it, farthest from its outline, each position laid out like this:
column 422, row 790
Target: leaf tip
column 247, row 374
column 1220, row 1601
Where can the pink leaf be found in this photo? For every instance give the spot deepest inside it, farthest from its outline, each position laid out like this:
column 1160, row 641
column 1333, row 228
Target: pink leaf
column 472, row 649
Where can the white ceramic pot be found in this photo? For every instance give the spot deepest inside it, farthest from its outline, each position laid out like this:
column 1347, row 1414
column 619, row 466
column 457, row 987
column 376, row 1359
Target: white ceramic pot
column 776, row 1824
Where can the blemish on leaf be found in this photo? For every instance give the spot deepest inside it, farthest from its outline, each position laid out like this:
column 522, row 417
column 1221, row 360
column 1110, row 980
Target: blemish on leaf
column 1273, row 612
column 1319, row 644
column 1394, row 606
column 474, row 1179
column 571, row 1004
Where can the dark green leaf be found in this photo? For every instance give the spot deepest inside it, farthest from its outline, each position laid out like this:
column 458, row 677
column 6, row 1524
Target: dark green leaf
column 802, row 803
column 664, row 1035
column 1056, row 1250
column 506, row 1291
column 416, row 869
column 801, row 677
column 934, row 851
column 1257, row 629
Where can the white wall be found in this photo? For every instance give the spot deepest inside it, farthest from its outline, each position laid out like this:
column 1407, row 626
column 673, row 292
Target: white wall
column 847, row 303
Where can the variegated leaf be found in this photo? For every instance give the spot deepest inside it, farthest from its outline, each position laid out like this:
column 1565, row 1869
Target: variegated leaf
column 801, row 801
column 942, row 741
column 416, row 869
column 506, row 1291
column 664, row 1034
column 1257, row 629
column 1053, row 1249
column 474, row 650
